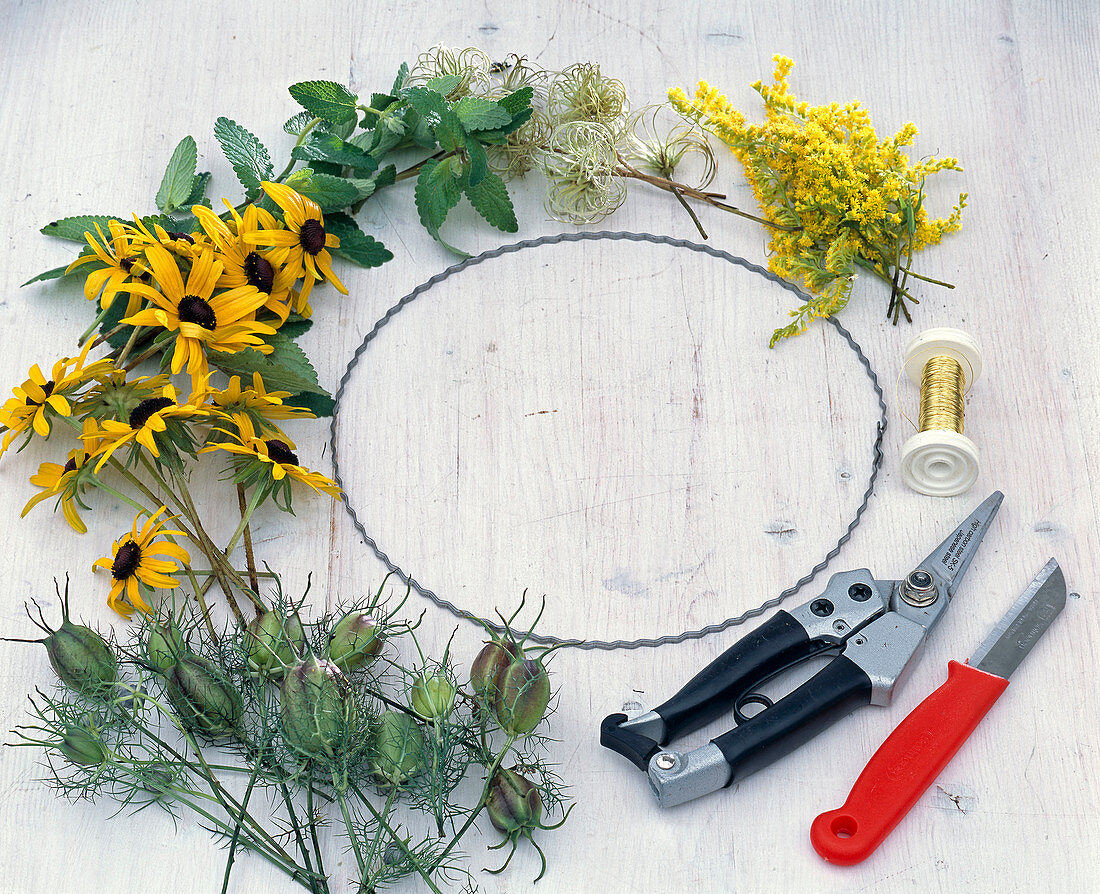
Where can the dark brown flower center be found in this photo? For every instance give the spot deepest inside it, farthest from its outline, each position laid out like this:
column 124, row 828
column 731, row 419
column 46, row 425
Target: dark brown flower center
column 186, row 237
column 47, row 390
column 141, row 413
column 196, row 310
column 280, row 452
column 260, row 273
column 126, row 264
column 312, row 236
column 70, row 466
column 126, row 560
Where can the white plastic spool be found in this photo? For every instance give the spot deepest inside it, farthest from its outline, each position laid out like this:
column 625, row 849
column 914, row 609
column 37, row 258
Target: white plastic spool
column 941, row 463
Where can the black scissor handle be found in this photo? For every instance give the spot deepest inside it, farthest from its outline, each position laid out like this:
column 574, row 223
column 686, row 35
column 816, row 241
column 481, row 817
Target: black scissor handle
column 722, row 684
column 832, row 693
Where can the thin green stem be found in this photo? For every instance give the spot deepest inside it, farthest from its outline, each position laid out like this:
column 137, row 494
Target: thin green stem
column 129, row 346
column 312, row 832
column 481, row 802
column 301, row 139
column 237, row 828
column 352, row 837
column 86, row 334
column 425, row 874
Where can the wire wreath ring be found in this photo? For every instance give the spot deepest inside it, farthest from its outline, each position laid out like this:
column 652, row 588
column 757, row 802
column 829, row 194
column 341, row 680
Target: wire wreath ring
column 607, row 645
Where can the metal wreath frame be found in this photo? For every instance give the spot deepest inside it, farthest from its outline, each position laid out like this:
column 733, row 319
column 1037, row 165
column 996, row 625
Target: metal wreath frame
column 606, row 645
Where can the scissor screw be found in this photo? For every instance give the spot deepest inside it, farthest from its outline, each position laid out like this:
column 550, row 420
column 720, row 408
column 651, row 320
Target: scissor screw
column 665, row 761
column 821, row 607
column 859, row 592
column 918, row 588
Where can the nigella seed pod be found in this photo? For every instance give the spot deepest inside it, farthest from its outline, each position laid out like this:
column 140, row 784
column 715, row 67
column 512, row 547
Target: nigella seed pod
column 355, row 641
column 523, row 694
column 493, row 659
column 80, row 657
column 318, row 708
column 514, row 802
column 274, row 643
column 164, row 646
column 82, row 745
column 205, row 699
column 399, row 747
column 433, row 696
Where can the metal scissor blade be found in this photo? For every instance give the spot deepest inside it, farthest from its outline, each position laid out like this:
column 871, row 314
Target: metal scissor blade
column 950, row 560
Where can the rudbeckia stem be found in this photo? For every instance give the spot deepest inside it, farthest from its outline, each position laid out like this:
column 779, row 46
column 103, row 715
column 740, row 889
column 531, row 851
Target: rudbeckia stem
column 129, row 346
column 99, row 318
column 246, row 513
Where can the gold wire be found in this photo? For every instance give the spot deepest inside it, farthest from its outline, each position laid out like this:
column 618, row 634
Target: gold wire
column 941, row 395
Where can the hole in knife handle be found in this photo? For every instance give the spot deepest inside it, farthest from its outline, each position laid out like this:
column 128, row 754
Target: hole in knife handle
column 843, row 826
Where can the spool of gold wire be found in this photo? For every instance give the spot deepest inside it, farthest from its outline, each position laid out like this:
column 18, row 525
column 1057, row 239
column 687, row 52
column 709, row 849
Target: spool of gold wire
column 939, row 460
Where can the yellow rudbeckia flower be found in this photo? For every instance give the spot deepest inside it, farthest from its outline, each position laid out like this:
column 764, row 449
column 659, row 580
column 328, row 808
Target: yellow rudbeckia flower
column 32, row 402
column 133, row 565
column 303, row 246
column 268, row 462
column 204, row 321
column 247, row 271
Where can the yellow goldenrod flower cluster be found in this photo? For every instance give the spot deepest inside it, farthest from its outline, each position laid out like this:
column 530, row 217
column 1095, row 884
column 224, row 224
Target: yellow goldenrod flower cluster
column 837, row 197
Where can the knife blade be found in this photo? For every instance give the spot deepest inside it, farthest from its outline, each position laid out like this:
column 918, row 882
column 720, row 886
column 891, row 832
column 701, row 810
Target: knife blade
column 915, row 753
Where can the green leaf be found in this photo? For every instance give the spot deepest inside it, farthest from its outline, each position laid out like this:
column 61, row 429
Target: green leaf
column 321, row 405
column 188, row 224
column 516, row 102
column 331, row 193
column 449, row 132
column 246, row 153
column 296, row 325
column 501, row 135
column 111, row 320
column 285, row 369
column 399, row 81
column 74, row 228
column 387, row 176
column 179, row 177
column 326, row 99
column 330, row 148
column 477, row 113
column 437, row 192
column 479, row 161
column 298, row 123
column 56, row 273
column 198, row 191
column 490, row 198
column 444, row 84
column 426, row 102
column 355, row 245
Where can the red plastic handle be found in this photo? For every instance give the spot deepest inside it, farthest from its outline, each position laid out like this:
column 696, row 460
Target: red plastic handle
column 909, row 761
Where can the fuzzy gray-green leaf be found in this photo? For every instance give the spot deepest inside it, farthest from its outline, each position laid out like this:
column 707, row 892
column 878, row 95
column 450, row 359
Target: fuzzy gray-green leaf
column 287, row 368
column 490, row 198
column 74, row 228
column 179, row 177
column 355, row 245
column 329, row 192
column 246, row 153
column 477, row 113
column 326, row 99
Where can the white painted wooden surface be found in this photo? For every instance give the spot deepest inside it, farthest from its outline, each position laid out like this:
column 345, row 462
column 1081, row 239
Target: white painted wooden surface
column 687, row 472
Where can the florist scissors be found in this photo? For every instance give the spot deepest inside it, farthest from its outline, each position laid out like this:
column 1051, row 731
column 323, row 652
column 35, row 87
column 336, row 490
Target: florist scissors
column 875, row 628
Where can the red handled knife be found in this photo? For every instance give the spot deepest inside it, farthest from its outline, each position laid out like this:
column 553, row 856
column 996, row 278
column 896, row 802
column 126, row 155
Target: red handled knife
column 915, row 753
